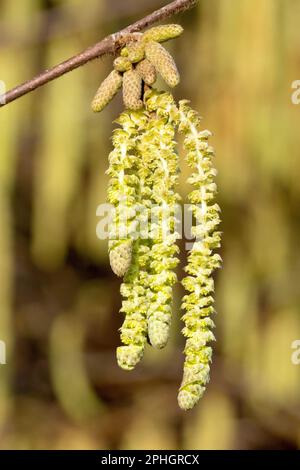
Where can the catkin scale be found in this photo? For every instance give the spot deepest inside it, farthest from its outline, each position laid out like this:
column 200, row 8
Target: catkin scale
column 107, row 90
column 132, row 90
column 163, row 62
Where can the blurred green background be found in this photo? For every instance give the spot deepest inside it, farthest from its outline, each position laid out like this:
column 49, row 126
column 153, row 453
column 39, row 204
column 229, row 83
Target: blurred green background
column 59, row 301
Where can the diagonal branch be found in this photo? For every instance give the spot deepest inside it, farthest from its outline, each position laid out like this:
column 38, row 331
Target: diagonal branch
column 108, row 45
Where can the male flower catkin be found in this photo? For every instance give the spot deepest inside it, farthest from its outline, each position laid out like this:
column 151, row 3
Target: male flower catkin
column 124, row 167
column 107, row 90
column 134, row 328
column 162, row 60
column 123, row 194
column 135, row 51
column 159, row 158
column 122, row 64
column 133, row 69
column 146, row 71
column 143, row 170
column 132, row 90
column 198, row 303
column 163, row 33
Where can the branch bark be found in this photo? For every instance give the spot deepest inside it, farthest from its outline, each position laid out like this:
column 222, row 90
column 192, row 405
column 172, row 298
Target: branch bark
column 108, row 45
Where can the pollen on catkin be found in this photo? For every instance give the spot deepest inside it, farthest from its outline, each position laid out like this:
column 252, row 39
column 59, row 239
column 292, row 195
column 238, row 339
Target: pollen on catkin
column 132, row 90
column 163, row 62
column 107, row 90
column 163, row 33
column 202, row 261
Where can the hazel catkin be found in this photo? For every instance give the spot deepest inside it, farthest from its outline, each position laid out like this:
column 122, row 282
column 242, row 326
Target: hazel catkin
column 202, row 261
column 107, row 90
column 147, row 71
column 132, row 90
column 135, row 51
column 120, row 252
column 122, row 64
column 163, row 62
column 163, row 32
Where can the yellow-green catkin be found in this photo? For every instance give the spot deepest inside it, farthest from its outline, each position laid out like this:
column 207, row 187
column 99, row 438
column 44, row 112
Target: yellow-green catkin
column 123, row 194
column 126, row 163
column 163, row 62
column 122, row 64
column 107, row 90
column 163, row 33
column 159, row 171
column 134, row 328
column 202, row 261
column 120, row 254
column 146, row 71
column 132, row 90
column 143, row 170
column 135, row 51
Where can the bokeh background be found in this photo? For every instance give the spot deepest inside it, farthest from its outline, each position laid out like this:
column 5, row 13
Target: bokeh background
column 59, row 301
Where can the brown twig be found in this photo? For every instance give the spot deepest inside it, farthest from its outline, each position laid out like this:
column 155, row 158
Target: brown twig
column 108, row 45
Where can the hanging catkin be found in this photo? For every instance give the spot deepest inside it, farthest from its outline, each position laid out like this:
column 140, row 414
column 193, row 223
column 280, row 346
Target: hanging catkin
column 143, row 170
column 202, row 261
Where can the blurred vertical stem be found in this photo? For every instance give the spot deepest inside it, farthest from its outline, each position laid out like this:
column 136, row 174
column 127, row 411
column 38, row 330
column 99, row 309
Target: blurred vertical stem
column 17, row 14
column 95, row 131
column 68, row 372
column 58, row 170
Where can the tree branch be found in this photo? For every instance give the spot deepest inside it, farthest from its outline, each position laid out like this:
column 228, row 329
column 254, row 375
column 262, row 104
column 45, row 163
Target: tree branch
column 108, row 45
